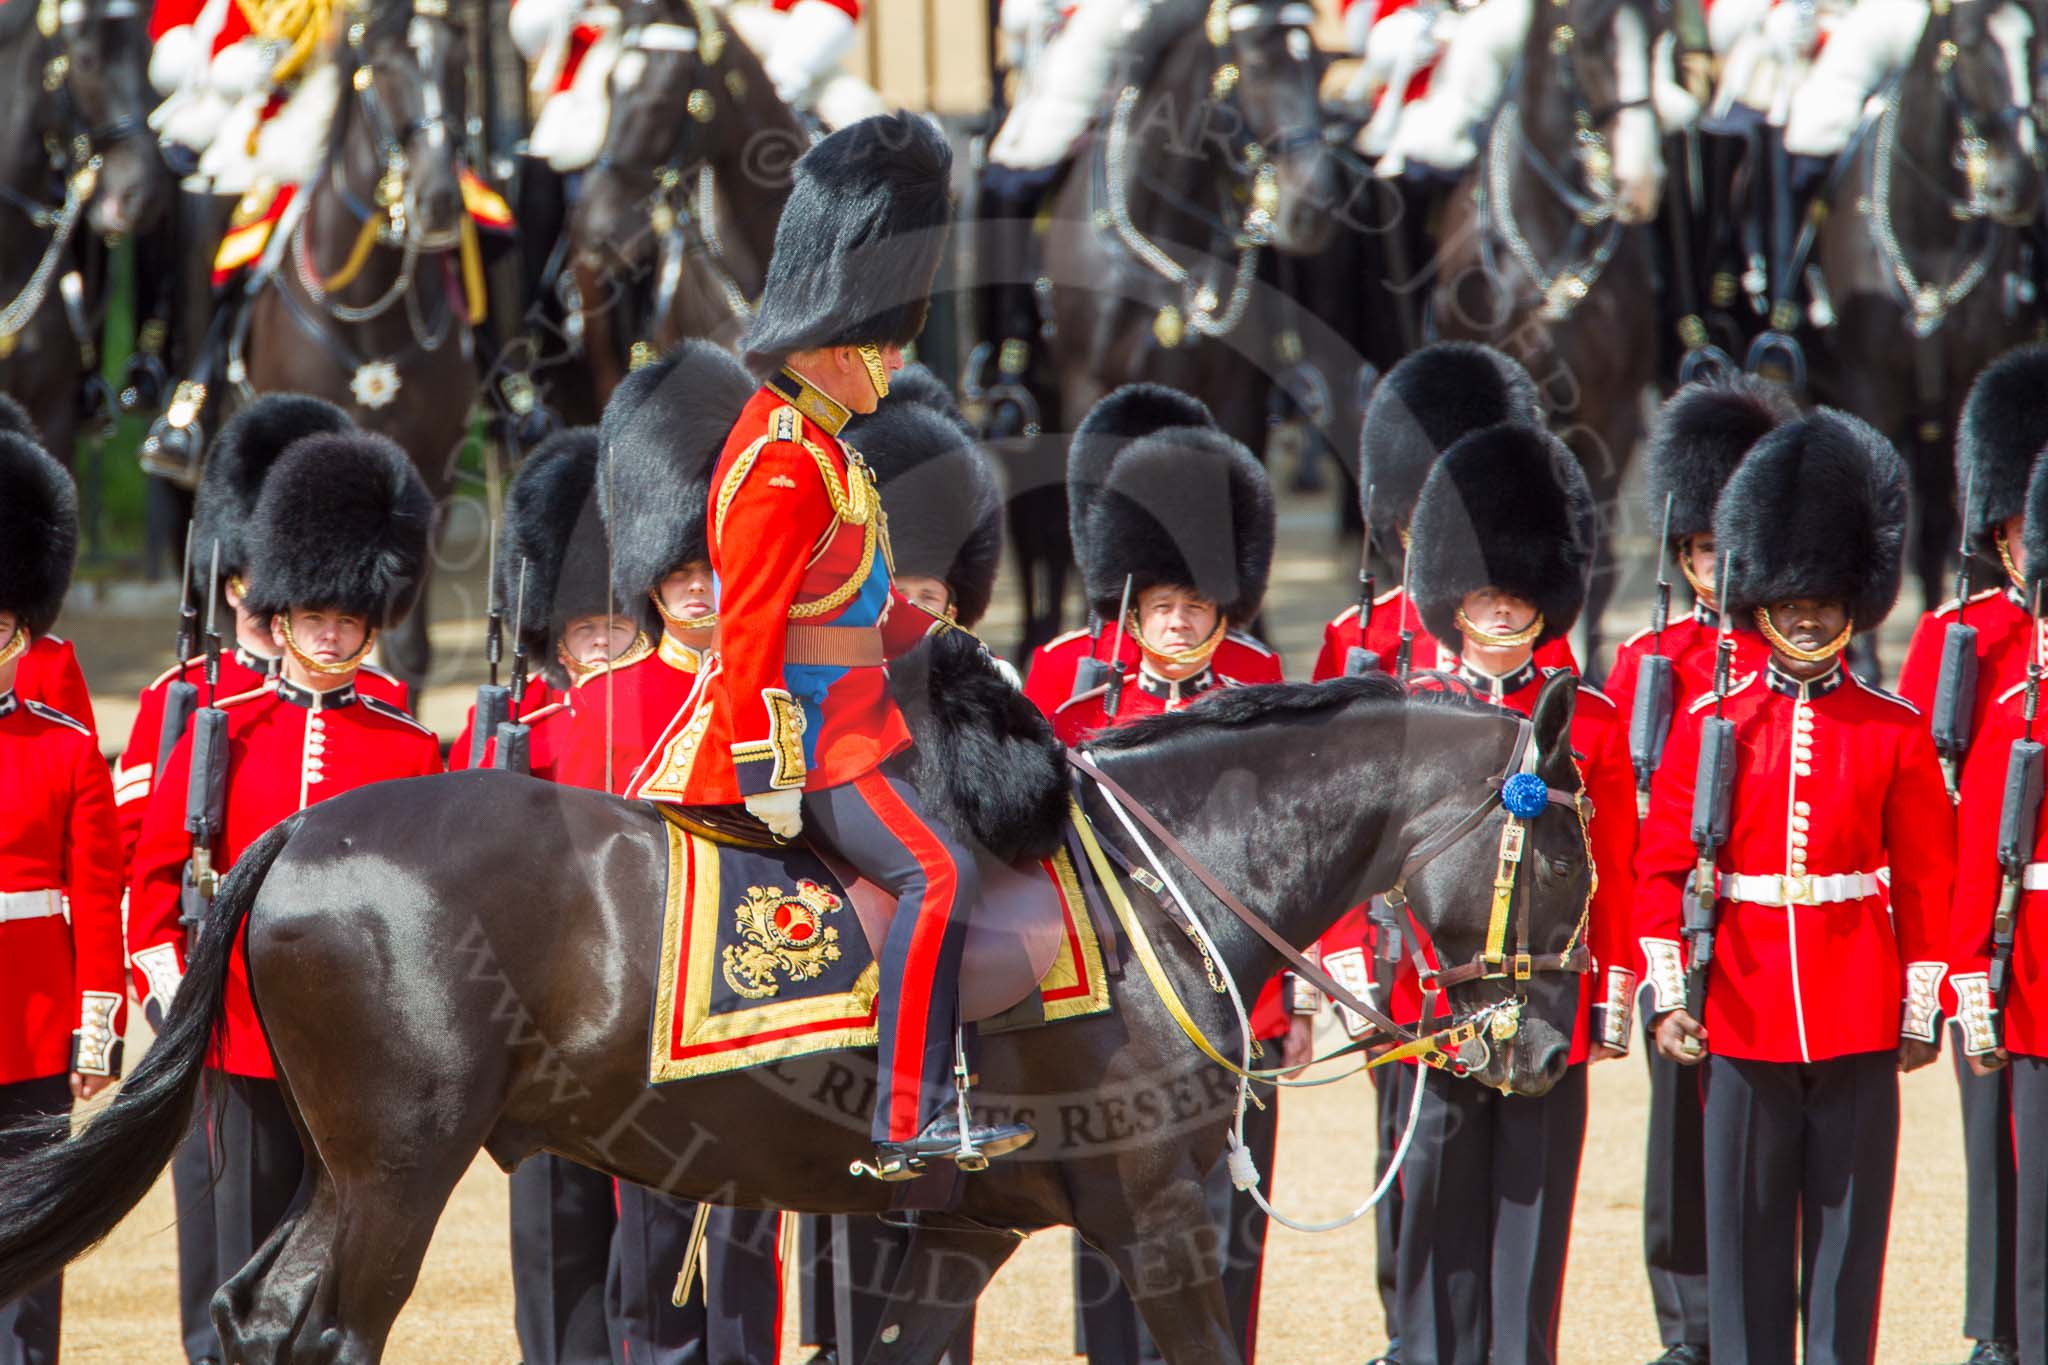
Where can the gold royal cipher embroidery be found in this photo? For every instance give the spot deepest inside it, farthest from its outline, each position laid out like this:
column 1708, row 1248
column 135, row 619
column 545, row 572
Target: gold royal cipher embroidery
column 782, row 933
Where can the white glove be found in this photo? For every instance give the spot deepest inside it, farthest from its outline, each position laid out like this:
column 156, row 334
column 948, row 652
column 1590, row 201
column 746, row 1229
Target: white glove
column 814, row 37
column 781, row 811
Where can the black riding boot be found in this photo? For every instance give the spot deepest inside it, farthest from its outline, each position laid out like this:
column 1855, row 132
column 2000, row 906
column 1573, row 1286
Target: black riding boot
column 196, row 344
column 1008, row 326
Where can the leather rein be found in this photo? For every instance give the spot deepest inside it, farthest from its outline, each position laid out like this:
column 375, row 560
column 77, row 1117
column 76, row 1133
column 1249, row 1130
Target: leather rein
column 1498, row 960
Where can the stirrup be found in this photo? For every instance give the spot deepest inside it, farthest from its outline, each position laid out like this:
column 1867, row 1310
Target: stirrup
column 891, row 1167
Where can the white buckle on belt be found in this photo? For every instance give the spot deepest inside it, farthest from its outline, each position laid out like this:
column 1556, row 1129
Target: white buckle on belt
column 2035, row 878
column 30, row 904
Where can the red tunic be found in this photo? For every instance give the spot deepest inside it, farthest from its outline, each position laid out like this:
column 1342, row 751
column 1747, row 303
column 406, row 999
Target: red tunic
column 287, row 749
column 48, row 672
column 650, row 688
column 1978, row 878
column 1691, row 643
column 1049, row 681
column 1840, row 781
column 166, row 15
column 545, row 713
column 1390, row 611
column 797, row 540
column 2004, row 627
column 57, row 841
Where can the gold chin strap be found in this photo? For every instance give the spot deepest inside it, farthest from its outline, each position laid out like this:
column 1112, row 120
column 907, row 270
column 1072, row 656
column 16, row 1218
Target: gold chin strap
column 680, row 622
column 2012, row 572
column 1792, row 651
column 1700, row 587
column 580, row 672
column 15, row 647
column 313, row 665
column 878, row 369
column 1194, row 654
column 1487, row 640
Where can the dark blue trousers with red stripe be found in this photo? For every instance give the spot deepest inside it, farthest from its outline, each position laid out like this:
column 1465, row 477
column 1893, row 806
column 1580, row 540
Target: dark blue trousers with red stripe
column 878, row 823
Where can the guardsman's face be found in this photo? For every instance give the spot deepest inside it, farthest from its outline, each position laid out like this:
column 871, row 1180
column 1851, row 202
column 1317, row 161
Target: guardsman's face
column 326, row 636
column 930, row 593
column 1700, row 558
column 592, row 640
column 1175, row 619
column 1809, row 623
column 2013, row 534
column 687, row 593
column 1497, row 612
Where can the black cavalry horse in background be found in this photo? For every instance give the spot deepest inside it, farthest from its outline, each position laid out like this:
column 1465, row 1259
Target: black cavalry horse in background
column 1210, row 158
column 1540, row 254
column 370, row 306
column 1925, row 256
column 75, row 154
column 466, row 961
column 675, row 221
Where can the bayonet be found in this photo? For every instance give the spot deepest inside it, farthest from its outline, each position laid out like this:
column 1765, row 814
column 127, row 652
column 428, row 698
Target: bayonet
column 1649, row 722
column 1358, row 660
column 1405, row 656
column 212, row 633
column 1955, row 688
column 1114, row 697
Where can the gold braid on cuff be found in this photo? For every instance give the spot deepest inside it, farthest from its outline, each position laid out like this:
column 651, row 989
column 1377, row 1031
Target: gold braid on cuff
column 1792, row 651
column 313, row 665
column 1487, row 640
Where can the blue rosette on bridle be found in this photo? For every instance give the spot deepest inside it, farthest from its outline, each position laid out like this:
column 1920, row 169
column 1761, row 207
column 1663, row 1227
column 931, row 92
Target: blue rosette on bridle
column 1524, row 795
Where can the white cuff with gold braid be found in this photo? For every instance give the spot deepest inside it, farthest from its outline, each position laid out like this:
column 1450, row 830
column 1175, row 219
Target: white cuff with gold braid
column 1975, row 1013
column 1922, row 1018
column 1618, row 1007
column 94, row 1055
column 1667, row 974
column 159, row 967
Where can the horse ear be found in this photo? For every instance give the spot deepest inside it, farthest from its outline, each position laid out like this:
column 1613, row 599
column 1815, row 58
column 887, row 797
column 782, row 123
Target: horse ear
column 1552, row 719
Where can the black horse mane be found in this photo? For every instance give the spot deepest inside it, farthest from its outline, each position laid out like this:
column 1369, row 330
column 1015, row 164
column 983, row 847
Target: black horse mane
column 1232, row 707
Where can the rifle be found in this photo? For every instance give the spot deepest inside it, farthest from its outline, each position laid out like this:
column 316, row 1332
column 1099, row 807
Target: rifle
column 181, row 697
column 206, row 793
column 1955, row 691
column 1091, row 672
column 1115, row 696
column 2018, row 819
column 1405, row 655
column 1712, row 805
column 492, row 699
column 1358, row 660
column 514, row 753
column 1649, row 721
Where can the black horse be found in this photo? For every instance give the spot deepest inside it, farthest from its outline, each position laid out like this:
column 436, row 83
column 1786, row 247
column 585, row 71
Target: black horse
column 75, row 153
column 1925, row 256
column 465, row 961
column 372, row 303
column 1539, row 254
column 675, row 222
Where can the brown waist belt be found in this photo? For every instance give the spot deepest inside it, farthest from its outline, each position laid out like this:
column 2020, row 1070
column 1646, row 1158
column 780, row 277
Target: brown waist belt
column 834, row 646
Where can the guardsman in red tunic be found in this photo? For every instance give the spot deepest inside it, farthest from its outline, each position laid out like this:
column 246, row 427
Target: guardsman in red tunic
column 1050, row 679
column 2003, row 429
column 1500, row 548
column 1701, row 434
column 61, row 998
column 1184, row 517
column 794, row 717
column 1425, row 403
column 337, row 551
column 2008, row 1037
column 236, row 464
column 1831, row 906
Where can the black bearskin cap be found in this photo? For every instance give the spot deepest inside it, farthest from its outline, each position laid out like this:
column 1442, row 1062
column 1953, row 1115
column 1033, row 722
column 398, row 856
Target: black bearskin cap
column 1817, row 509
column 14, row 417
column 552, row 528
column 1116, row 420
column 241, row 455
column 859, row 241
column 2004, row 426
column 660, row 440
column 2035, row 535
column 38, row 532
column 344, row 521
column 1700, row 435
column 942, row 496
column 1418, row 410
column 1506, row 507
column 1186, row 506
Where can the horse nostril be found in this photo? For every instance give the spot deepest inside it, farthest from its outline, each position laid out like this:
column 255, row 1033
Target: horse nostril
column 1555, row 1063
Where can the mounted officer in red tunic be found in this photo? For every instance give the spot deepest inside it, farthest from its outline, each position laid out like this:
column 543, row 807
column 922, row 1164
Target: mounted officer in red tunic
column 794, row 717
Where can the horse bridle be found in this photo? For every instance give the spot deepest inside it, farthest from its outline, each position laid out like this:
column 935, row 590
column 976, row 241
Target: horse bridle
column 394, row 189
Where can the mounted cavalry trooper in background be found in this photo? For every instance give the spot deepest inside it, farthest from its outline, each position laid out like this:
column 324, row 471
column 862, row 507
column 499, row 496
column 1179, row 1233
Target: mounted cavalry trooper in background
column 1998, row 961
column 1501, row 547
column 336, row 550
column 62, row 1008
column 47, row 670
column 1080, row 660
column 1178, row 534
column 1992, row 632
column 1815, row 997
column 794, row 717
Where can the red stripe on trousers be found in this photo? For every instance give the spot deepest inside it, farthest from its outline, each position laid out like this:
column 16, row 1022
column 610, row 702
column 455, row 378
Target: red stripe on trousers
column 934, row 912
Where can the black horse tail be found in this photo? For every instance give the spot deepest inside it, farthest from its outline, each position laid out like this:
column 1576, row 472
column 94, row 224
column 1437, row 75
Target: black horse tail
column 66, row 1193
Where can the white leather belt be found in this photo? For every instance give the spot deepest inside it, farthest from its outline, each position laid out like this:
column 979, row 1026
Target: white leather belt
column 30, row 904
column 2035, row 878
column 1775, row 889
